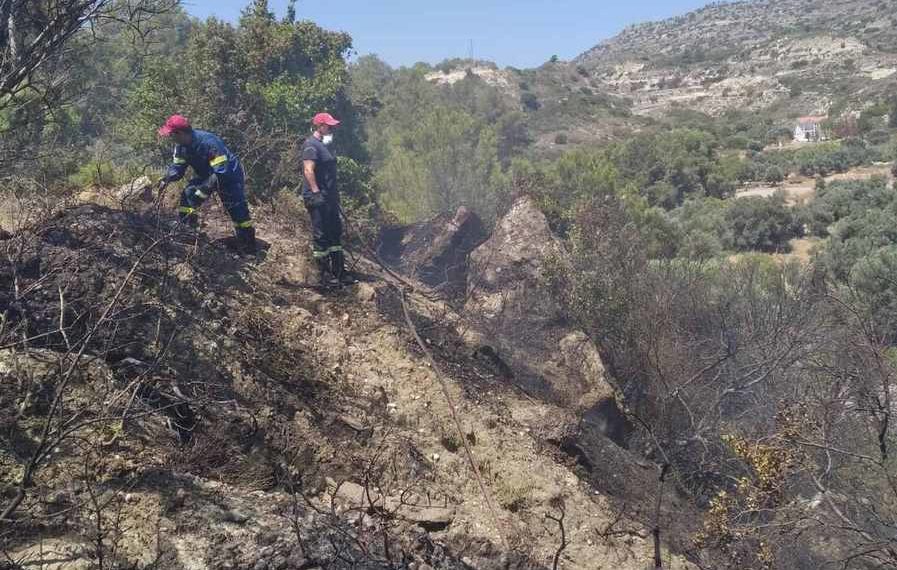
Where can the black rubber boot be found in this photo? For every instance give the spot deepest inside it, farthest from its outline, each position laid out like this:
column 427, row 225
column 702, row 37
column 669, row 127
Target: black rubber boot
column 189, row 220
column 325, row 278
column 246, row 241
column 338, row 268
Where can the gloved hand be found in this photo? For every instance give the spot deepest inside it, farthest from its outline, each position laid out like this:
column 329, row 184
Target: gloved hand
column 192, row 191
column 209, row 185
column 316, row 200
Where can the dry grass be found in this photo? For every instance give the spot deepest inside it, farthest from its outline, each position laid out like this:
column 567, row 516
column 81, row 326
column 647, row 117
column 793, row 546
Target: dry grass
column 801, row 189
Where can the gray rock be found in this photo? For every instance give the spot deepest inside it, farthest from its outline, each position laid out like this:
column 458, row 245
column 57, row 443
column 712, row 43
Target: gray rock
column 59, row 498
column 234, row 516
column 530, row 341
column 428, row 517
column 436, row 251
column 507, row 275
column 179, row 499
column 140, row 188
column 365, row 292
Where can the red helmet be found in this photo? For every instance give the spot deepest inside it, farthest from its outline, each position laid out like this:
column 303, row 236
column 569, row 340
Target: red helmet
column 174, row 123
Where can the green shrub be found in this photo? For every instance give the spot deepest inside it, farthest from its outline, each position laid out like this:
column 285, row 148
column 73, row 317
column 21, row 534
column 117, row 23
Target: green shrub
column 774, row 175
column 530, row 101
column 703, row 227
column 102, row 173
column 857, row 217
column 761, row 224
column 872, row 279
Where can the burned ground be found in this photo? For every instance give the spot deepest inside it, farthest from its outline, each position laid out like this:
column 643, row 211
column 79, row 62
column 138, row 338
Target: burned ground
column 223, row 411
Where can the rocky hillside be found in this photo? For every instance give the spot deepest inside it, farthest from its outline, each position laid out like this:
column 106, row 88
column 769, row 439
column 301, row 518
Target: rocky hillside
column 783, row 58
column 166, row 403
column 800, row 55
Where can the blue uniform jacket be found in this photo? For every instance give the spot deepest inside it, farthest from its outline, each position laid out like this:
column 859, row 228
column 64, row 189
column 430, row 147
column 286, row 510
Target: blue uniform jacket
column 206, row 155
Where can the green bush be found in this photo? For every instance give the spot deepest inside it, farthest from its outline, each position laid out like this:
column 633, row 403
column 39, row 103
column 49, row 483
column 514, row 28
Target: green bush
column 761, row 224
column 703, row 227
column 858, row 218
column 877, row 136
column 872, row 277
column 674, row 165
column 443, row 160
column 102, row 173
column 530, row 101
column 774, row 175
column 839, row 200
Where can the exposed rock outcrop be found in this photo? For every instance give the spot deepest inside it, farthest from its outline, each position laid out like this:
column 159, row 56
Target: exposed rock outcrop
column 508, row 273
column 509, row 293
column 139, row 190
column 436, row 251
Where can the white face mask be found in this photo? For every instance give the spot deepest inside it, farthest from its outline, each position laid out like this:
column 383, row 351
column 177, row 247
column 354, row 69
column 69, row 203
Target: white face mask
column 327, row 139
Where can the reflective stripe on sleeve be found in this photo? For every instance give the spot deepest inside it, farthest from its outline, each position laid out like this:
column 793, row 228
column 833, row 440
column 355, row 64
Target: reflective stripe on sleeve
column 246, row 224
column 218, row 161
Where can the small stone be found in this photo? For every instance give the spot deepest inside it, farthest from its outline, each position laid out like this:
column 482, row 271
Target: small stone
column 365, row 293
column 234, row 516
column 279, row 563
column 180, row 497
column 260, row 565
column 354, row 423
column 59, row 498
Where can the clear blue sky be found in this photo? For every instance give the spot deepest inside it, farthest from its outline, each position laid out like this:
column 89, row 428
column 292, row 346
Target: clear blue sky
column 522, row 33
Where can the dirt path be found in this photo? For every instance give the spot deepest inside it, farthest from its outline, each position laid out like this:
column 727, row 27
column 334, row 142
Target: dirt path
column 802, row 189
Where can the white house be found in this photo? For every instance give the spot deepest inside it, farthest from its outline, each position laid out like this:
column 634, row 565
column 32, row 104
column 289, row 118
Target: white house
column 809, row 129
